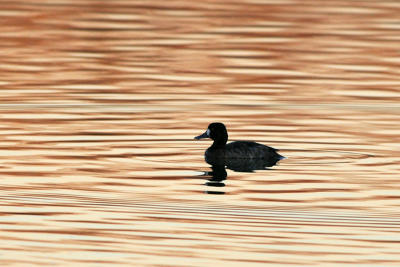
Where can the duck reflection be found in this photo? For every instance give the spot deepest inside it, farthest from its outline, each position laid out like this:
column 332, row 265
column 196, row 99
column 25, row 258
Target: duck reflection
column 216, row 176
column 218, row 173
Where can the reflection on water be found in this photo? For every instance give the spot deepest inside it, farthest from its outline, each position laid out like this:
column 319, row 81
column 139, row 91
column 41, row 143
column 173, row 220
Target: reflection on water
column 218, row 165
column 219, row 174
column 100, row 100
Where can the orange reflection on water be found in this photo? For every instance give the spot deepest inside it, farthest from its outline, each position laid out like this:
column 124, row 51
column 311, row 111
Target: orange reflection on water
column 101, row 101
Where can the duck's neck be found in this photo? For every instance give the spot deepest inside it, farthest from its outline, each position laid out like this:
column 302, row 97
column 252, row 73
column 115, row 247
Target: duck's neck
column 219, row 143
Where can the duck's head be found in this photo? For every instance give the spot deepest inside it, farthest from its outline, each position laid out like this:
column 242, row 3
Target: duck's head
column 217, row 132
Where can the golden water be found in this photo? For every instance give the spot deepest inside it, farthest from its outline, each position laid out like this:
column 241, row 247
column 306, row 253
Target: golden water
column 100, row 101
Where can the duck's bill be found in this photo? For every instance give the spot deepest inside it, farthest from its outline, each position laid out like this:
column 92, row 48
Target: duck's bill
column 204, row 135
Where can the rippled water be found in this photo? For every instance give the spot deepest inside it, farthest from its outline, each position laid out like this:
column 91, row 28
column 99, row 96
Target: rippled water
column 100, row 102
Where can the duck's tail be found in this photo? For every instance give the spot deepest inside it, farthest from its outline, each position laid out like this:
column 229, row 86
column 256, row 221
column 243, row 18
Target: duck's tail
column 280, row 157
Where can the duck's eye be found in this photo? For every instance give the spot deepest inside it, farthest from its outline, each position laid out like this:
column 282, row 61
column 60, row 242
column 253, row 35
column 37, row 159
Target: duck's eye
column 208, row 132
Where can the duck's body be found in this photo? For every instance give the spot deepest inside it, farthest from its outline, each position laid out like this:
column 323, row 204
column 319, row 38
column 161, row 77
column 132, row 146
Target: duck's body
column 245, row 150
column 242, row 150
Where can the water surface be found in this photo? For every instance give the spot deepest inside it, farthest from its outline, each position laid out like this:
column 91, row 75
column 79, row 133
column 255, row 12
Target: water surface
column 100, row 103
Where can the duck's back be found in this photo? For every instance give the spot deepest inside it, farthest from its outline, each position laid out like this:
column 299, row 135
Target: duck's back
column 250, row 150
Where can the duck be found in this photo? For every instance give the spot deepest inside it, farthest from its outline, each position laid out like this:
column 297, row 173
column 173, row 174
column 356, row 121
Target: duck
column 245, row 152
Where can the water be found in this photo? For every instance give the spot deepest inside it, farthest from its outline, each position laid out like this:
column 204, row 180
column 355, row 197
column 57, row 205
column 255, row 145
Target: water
column 100, row 102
